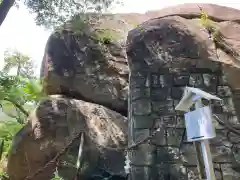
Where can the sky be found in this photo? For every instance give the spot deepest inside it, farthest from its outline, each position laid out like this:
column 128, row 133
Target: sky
column 20, row 32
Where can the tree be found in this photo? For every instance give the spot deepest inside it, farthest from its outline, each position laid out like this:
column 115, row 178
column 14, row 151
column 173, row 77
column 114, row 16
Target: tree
column 5, row 6
column 18, row 95
column 22, row 88
column 54, row 12
column 22, row 63
column 19, row 91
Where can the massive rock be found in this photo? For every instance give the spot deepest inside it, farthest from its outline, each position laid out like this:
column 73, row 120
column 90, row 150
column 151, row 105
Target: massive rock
column 165, row 54
column 53, row 125
column 89, row 61
column 95, row 69
column 168, row 51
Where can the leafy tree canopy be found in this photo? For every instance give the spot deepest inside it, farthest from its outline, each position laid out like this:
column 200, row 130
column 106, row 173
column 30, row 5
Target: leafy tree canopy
column 22, row 63
column 19, row 94
column 22, row 88
column 51, row 13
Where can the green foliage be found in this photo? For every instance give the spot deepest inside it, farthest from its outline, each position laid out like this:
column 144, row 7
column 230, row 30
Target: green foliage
column 7, row 131
column 18, row 94
column 22, row 63
column 79, row 23
column 208, row 25
column 204, row 18
column 106, row 35
column 56, row 176
column 22, row 88
column 3, row 175
column 20, row 91
column 51, row 13
column 84, row 24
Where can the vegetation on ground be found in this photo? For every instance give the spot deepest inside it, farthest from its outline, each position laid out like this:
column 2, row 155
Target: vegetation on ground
column 20, row 89
column 20, row 92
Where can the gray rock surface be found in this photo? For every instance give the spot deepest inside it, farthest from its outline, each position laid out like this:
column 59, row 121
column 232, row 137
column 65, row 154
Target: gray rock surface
column 53, row 125
column 168, row 51
column 166, row 54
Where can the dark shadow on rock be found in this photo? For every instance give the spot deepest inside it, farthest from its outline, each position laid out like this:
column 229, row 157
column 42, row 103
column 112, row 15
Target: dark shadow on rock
column 86, row 66
column 158, row 49
column 53, row 124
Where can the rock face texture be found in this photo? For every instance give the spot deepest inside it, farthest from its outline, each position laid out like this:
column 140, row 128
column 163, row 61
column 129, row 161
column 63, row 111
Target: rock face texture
column 90, row 66
column 53, row 125
column 165, row 54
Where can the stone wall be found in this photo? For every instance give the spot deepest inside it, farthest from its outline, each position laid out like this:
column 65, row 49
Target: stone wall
column 153, row 97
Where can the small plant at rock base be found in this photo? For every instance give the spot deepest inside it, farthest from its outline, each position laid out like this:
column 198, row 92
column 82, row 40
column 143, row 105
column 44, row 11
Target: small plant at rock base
column 106, row 35
column 208, row 25
column 216, row 35
column 56, row 176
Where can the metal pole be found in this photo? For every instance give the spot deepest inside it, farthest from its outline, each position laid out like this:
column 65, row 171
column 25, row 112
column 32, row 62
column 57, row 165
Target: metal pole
column 206, row 154
column 198, row 148
column 207, row 157
column 200, row 162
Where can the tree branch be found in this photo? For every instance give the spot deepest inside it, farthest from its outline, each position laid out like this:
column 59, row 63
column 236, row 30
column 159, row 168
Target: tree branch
column 17, row 105
column 5, row 6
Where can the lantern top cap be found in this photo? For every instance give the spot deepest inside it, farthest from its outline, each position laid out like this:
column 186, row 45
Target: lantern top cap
column 191, row 95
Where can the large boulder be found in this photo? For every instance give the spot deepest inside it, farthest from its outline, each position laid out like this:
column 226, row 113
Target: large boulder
column 87, row 60
column 95, row 69
column 165, row 54
column 53, row 124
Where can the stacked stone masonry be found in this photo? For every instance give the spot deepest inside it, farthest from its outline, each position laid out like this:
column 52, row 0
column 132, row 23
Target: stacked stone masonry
column 153, row 97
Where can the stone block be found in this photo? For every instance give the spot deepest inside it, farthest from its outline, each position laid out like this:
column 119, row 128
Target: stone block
column 163, row 107
column 167, row 155
column 229, row 173
column 180, row 122
column 166, row 121
column 210, row 82
column 216, row 107
column 138, row 93
column 223, row 91
column 172, row 171
column 160, row 94
column 166, row 80
column 196, row 80
column 218, row 171
column 222, row 81
column 228, row 105
column 220, row 139
column 141, row 134
column 233, row 120
column 143, row 155
column 141, row 107
column 188, row 154
column 146, row 173
column 161, row 79
column 155, row 80
column 221, row 154
column 174, row 136
column 138, row 79
column 177, row 93
column 160, row 138
column 140, row 122
column 193, row 173
column 236, row 155
column 181, row 79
